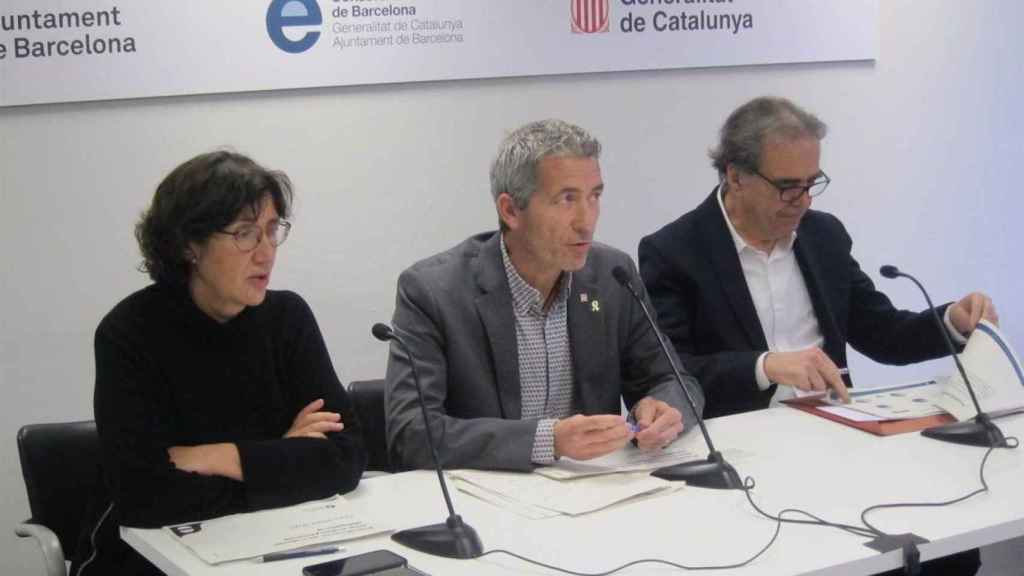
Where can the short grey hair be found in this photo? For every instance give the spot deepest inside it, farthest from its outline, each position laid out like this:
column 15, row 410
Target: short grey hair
column 742, row 137
column 514, row 170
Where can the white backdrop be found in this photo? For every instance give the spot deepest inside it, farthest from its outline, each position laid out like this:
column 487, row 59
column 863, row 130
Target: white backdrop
column 229, row 47
column 924, row 150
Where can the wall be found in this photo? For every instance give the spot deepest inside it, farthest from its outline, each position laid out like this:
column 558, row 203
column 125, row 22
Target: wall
column 923, row 152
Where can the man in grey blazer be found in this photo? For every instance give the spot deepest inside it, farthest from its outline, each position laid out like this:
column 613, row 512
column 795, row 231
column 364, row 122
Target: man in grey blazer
column 524, row 342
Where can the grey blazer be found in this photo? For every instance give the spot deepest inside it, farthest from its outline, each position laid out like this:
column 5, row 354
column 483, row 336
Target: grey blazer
column 454, row 310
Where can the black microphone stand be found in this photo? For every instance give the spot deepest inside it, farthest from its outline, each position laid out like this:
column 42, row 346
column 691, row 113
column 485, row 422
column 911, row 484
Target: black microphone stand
column 454, row 538
column 978, row 431
column 712, row 472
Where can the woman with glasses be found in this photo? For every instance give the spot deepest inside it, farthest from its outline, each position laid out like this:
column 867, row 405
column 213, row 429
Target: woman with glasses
column 214, row 395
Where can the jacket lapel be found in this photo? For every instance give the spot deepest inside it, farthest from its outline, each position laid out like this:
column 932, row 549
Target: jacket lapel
column 810, row 259
column 726, row 262
column 586, row 319
column 494, row 305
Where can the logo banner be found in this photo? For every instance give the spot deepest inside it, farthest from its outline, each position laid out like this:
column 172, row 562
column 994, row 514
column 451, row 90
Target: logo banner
column 61, row 51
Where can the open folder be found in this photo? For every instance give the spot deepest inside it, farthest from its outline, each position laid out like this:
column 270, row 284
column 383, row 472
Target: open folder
column 850, row 417
column 995, row 373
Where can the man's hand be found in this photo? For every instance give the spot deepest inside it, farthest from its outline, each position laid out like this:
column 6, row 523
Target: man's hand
column 312, row 423
column 809, row 369
column 965, row 314
column 208, row 460
column 584, row 437
column 659, row 423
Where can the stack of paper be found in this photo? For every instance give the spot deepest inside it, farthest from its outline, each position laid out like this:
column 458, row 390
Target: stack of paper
column 629, row 459
column 506, row 502
column 536, row 496
column 254, row 534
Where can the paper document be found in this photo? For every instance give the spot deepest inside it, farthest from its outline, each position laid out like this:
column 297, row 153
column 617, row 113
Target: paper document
column 524, row 509
column 850, row 414
column 628, row 459
column 254, row 534
column 995, row 373
column 897, row 402
column 573, row 497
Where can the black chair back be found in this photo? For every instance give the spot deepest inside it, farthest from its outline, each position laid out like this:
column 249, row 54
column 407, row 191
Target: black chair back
column 367, row 397
column 61, row 466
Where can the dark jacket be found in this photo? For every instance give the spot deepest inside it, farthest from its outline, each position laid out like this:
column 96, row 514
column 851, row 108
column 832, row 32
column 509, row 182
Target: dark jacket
column 693, row 274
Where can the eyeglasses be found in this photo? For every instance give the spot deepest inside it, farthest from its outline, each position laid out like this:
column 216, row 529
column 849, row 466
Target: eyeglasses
column 790, row 192
column 248, row 237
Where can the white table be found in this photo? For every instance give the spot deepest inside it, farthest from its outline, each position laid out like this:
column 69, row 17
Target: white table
column 798, row 460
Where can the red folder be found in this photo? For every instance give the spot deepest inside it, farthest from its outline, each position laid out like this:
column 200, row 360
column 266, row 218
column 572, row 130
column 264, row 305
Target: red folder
column 878, row 428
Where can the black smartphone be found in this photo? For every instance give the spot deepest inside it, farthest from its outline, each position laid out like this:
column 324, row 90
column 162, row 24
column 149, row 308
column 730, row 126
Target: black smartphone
column 375, row 562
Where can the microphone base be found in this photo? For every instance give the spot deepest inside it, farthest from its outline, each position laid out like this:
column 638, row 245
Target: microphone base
column 453, row 539
column 978, row 431
column 714, row 472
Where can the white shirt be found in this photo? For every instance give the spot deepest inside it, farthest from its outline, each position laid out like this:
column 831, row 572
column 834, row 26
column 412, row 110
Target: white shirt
column 780, row 298
column 782, row 302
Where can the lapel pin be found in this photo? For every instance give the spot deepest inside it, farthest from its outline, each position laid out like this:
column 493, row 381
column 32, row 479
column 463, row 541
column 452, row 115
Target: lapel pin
column 583, row 297
column 595, row 306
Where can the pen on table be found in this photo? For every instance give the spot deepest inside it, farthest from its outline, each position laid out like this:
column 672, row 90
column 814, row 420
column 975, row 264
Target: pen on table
column 301, row 553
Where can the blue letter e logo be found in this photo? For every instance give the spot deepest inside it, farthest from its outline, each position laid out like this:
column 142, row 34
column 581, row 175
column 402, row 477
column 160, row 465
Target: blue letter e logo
column 286, row 13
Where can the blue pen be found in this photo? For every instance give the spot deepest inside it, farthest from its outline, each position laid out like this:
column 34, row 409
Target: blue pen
column 631, row 424
column 300, row 553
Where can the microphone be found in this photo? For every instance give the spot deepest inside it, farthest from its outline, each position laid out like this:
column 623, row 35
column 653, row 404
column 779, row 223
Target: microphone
column 713, row 472
column 454, row 538
column 979, row 431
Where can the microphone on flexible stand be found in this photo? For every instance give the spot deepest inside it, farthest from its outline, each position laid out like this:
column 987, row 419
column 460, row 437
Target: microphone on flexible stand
column 454, row 538
column 713, row 472
column 978, row 431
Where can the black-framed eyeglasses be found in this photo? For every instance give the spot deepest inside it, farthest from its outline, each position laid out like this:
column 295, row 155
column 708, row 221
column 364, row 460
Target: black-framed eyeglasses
column 249, row 236
column 791, row 192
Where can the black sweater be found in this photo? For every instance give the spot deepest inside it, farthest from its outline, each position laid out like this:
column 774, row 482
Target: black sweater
column 167, row 374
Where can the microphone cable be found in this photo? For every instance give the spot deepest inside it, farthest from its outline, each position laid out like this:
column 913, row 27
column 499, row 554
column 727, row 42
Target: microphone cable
column 748, row 486
column 1011, row 443
column 867, row 530
column 658, row 561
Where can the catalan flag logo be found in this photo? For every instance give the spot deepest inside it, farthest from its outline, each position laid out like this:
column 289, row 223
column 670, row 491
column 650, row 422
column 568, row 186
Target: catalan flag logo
column 589, row 16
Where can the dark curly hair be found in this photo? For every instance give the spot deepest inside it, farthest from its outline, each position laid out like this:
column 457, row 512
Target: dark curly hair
column 196, row 199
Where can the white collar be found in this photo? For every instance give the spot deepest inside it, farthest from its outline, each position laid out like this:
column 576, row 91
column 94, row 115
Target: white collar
column 738, row 240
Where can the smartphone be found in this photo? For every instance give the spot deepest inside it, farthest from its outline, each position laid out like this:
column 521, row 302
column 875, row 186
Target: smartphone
column 375, row 562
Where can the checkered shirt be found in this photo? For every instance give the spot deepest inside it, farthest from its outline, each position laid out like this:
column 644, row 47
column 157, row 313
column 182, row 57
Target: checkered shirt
column 545, row 357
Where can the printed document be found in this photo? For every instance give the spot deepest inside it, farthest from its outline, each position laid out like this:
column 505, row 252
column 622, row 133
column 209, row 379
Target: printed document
column 995, row 373
column 572, row 497
column 524, row 509
column 628, row 459
column 632, row 459
column 914, row 400
column 254, row 534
